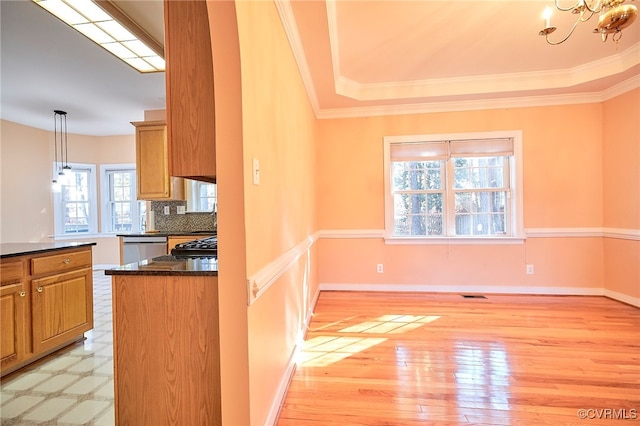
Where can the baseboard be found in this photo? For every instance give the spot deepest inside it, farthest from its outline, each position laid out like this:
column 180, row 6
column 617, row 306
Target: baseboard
column 100, row 267
column 278, row 399
column 424, row 288
column 620, row 297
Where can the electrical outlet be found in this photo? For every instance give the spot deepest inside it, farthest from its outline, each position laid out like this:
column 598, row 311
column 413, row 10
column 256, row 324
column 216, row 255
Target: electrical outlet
column 166, row 210
column 380, row 268
column 529, row 269
column 181, row 210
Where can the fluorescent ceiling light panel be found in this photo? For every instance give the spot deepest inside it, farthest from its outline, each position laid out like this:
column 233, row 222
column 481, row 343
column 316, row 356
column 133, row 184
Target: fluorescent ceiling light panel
column 96, row 24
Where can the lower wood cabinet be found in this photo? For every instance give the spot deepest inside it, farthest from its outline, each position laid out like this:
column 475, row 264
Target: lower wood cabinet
column 62, row 308
column 46, row 303
column 166, row 350
column 13, row 305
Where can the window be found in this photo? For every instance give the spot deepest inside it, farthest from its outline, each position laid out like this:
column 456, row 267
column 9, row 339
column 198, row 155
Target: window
column 453, row 186
column 121, row 211
column 201, row 196
column 74, row 200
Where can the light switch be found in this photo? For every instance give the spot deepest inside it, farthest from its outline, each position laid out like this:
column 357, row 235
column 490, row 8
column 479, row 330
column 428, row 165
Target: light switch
column 181, row 210
column 256, row 171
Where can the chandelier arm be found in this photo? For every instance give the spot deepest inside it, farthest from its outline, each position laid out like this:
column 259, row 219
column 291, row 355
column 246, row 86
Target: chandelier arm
column 585, row 19
column 575, row 24
column 597, row 9
column 567, row 9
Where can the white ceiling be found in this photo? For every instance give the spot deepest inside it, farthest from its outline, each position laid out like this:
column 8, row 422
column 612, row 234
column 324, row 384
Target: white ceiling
column 356, row 58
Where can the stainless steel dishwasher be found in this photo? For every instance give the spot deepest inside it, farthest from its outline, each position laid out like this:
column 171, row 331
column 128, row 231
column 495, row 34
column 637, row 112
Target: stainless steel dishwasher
column 135, row 249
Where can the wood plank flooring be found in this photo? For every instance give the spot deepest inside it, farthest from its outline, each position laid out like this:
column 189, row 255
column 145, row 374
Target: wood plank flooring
column 441, row 359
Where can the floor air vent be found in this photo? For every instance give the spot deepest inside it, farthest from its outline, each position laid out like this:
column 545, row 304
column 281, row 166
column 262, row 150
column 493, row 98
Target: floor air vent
column 473, row 296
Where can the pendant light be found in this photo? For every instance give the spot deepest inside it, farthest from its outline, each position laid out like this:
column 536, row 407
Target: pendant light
column 60, row 134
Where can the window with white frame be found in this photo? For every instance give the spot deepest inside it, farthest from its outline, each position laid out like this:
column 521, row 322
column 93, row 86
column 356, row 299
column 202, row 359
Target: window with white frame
column 121, row 211
column 74, row 200
column 201, row 196
column 453, row 186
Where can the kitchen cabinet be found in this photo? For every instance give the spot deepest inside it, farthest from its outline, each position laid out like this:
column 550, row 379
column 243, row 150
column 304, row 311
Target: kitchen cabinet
column 173, row 240
column 189, row 90
column 152, row 163
column 166, row 350
column 62, row 307
column 46, row 301
column 13, row 303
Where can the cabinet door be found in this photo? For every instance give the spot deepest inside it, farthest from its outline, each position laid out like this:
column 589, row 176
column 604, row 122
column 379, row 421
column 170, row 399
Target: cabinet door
column 190, row 97
column 12, row 323
column 62, row 307
column 152, row 160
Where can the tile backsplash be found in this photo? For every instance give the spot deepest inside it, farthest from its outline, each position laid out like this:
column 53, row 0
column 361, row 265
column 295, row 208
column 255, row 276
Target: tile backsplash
column 174, row 222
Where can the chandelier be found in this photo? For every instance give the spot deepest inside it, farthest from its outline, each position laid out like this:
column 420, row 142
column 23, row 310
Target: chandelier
column 614, row 15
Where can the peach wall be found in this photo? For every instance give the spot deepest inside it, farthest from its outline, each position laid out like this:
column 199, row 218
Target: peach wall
column 562, row 176
column 621, row 201
column 279, row 131
column 234, row 328
column 557, row 192
column 27, row 157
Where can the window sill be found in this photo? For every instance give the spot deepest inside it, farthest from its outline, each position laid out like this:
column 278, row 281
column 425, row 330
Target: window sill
column 80, row 236
column 453, row 240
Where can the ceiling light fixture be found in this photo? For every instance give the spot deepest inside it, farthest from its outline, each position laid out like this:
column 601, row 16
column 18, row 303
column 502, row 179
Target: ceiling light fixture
column 60, row 134
column 614, row 16
column 106, row 25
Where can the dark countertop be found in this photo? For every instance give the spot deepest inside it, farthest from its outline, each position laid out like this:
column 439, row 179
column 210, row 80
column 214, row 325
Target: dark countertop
column 169, row 265
column 20, row 249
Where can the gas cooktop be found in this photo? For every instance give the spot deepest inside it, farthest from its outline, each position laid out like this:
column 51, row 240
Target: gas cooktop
column 205, row 247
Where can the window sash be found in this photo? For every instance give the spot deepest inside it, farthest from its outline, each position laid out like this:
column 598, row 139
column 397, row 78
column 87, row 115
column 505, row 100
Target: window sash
column 122, row 212
column 75, row 200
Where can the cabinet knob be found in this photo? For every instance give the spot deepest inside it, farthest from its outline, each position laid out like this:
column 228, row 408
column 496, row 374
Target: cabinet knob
column 67, row 261
column 39, row 289
column 22, row 293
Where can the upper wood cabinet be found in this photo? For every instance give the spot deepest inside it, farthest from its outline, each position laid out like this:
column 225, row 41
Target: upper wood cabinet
column 190, row 97
column 152, row 163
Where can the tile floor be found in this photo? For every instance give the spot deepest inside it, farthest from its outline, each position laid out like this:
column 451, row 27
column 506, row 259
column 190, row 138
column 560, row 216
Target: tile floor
column 72, row 387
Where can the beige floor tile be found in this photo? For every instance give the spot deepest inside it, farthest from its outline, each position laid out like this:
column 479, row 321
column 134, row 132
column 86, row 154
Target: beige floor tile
column 84, row 412
column 105, row 391
column 57, row 383
column 107, row 419
column 25, row 381
column 49, row 409
column 60, row 363
column 86, row 365
column 85, row 385
column 105, row 369
column 5, row 397
column 19, row 405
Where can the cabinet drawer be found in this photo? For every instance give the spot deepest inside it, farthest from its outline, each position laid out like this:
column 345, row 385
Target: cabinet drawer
column 11, row 272
column 60, row 262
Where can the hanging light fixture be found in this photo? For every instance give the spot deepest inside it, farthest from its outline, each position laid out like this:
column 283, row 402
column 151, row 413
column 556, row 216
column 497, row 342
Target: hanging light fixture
column 614, row 16
column 60, row 134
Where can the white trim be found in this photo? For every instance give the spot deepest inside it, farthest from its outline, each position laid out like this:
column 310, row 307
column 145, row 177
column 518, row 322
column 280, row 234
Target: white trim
column 427, row 288
column 293, row 35
column 351, row 233
column 281, row 393
column 618, row 233
column 453, row 240
column 633, row 301
column 259, row 282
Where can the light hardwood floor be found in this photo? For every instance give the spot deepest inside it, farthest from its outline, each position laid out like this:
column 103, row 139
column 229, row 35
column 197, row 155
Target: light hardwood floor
column 441, row 359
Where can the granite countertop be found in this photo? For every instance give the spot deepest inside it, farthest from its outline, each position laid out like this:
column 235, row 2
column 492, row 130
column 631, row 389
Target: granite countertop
column 169, row 265
column 20, row 249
